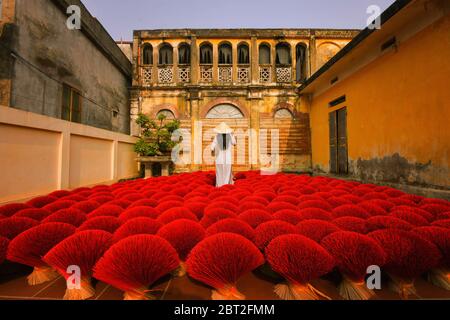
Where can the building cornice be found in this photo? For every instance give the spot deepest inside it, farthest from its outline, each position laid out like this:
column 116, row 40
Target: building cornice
column 98, row 35
column 246, row 33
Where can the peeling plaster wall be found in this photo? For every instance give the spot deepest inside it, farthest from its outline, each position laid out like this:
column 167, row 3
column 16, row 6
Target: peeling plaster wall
column 58, row 55
column 398, row 110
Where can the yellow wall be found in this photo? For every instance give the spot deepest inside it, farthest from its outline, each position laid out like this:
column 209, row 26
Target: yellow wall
column 39, row 154
column 398, row 104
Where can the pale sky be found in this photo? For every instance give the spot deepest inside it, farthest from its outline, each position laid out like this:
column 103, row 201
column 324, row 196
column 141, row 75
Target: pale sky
column 121, row 17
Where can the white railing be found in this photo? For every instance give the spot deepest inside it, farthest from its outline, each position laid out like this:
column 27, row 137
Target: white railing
column 206, row 73
column 243, row 74
column 265, row 74
column 284, row 74
column 184, row 74
column 165, row 74
column 146, row 75
column 225, row 74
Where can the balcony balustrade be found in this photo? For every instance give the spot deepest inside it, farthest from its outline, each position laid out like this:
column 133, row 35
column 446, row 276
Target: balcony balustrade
column 146, row 75
column 165, row 74
column 225, row 73
column 284, row 74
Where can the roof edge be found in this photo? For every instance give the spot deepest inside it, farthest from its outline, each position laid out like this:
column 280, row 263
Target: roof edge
column 397, row 6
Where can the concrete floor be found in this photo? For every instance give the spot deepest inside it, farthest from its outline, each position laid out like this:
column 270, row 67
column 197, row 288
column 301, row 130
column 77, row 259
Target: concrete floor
column 255, row 286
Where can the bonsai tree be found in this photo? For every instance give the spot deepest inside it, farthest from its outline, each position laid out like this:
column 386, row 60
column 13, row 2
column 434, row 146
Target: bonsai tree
column 156, row 135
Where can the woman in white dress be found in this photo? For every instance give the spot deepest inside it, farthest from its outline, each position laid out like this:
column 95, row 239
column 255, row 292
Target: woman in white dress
column 222, row 147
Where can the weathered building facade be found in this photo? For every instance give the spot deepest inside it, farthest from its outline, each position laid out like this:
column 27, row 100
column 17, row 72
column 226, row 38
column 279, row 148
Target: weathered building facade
column 46, row 68
column 246, row 77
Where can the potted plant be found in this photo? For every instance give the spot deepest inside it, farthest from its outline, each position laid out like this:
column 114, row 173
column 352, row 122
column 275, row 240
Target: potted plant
column 155, row 144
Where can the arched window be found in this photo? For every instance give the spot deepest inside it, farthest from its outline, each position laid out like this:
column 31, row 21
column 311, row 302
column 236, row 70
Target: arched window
column 166, row 54
column 224, row 111
column 283, row 114
column 264, row 54
column 147, row 54
column 225, row 54
column 283, row 57
column 206, row 53
column 300, row 60
column 166, row 112
column 184, row 54
column 243, row 54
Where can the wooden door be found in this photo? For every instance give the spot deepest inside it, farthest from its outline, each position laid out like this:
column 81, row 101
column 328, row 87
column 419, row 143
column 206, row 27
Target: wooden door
column 338, row 141
column 342, row 153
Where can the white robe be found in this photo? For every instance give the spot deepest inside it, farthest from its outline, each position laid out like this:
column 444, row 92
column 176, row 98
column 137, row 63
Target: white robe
column 224, row 160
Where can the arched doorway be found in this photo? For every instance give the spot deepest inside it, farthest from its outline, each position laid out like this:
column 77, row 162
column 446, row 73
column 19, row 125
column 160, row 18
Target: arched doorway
column 235, row 118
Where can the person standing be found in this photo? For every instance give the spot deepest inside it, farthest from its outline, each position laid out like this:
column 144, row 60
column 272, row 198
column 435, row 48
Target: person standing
column 222, row 147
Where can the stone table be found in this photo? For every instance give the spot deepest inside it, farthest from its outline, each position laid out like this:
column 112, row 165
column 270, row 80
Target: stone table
column 150, row 161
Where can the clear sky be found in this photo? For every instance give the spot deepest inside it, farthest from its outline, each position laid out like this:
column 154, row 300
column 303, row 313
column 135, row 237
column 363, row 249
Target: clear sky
column 121, row 17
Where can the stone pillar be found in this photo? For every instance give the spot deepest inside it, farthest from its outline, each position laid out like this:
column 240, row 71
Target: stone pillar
column 293, row 63
column 254, row 61
column 195, row 61
column 235, row 62
column 215, row 63
column 134, row 111
column 165, row 169
column 175, row 64
column 312, row 55
column 196, row 133
column 136, row 61
column 155, row 64
column 148, row 169
column 254, row 134
column 273, row 56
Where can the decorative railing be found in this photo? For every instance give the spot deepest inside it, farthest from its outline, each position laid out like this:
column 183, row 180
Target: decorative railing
column 146, row 75
column 206, row 73
column 284, row 74
column 184, row 74
column 265, row 73
column 225, row 74
column 165, row 74
column 243, row 74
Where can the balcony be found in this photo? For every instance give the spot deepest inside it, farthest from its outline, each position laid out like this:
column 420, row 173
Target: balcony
column 225, row 73
column 206, row 73
column 284, row 74
column 265, row 73
column 146, row 75
column 168, row 74
column 165, row 74
column 243, row 74
column 184, row 73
